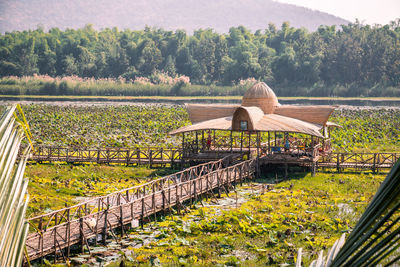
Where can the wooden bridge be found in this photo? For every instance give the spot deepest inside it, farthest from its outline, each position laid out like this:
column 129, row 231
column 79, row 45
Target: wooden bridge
column 358, row 161
column 149, row 155
column 162, row 156
column 55, row 232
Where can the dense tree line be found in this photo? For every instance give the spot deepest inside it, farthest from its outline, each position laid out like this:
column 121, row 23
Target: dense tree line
column 352, row 57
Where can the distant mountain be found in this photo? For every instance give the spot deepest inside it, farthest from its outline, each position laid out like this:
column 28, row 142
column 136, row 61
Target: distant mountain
column 168, row 14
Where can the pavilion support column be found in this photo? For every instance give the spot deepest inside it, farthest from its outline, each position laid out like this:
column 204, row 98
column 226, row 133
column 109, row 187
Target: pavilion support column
column 197, row 143
column 258, row 156
column 214, row 139
column 269, row 143
column 202, row 141
column 258, row 144
column 249, row 144
column 231, row 142
column 241, row 141
column 183, row 151
column 313, row 168
column 286, row 170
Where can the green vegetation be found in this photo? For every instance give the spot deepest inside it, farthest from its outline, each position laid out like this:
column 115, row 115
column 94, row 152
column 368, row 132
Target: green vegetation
column 367, row 130
column 356, row 60
column 53, row 186
column 105, row 126
column 309, row 212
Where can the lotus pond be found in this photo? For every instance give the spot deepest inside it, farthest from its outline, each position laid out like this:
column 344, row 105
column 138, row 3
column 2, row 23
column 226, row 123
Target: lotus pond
column 257, row 224
column 54, row 186
column 141, row 125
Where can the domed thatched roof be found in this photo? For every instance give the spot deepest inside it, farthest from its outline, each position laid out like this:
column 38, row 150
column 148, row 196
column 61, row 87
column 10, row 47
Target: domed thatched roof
column 260, row 95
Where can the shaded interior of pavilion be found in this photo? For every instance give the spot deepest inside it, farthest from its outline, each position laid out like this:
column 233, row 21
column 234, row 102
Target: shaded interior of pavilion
column 259, row 127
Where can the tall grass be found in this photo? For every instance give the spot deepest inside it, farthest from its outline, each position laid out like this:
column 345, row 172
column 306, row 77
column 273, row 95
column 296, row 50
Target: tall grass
column 73, row 85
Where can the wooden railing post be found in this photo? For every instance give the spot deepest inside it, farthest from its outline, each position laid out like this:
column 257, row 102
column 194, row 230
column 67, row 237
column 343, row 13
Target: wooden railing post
column 153, row 200
column 105, row 221
column 374, row 164
column 338, row 163
column 55, row 237
column 177, row 199
column 69, row 233
column 219, row 183
column 121, row 217
column 41, row 238
column 142, row 214
column 81, row 237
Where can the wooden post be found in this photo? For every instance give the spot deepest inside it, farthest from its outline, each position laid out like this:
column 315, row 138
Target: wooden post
column 207, row 186
column 214, row 139
column 378, row 160
column 153, row 200
column 138, row 156
column 337, row 162
column 104, row 237
column 121, row 219
column 313, row 168
column 81, row 237
column 258, row 144
column 202, row 141
column 127, row 157
column 169, row 200
column 55, row 237
column 241, row 141
column 269, row 143
column 249, row 144
column 69, row 233
column 142, row 214
column 374, row 164
column 183, row 150
column 219, row 183
column 177, row 199
column 163, row 200
column 41, row 241
column 231, row 142
column 195, row 191
column 151, row 157
column 197, row 143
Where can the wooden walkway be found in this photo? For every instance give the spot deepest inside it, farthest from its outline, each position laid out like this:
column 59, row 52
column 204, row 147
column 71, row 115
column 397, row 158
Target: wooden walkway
column 150, row 155
column 358, row 161
column 55, row 232
column 161, row 156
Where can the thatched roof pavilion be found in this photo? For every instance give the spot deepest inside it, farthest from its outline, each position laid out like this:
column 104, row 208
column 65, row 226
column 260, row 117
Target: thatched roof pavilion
column 260, row 112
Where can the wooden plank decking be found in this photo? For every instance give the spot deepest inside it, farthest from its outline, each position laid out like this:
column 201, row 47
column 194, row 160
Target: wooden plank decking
column 57, row 231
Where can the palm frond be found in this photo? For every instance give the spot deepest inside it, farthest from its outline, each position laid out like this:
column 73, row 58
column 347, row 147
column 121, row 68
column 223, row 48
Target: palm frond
column 13, row 187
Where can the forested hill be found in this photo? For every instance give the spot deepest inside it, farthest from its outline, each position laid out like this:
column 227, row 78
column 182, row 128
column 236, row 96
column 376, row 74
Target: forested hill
column 348, row 59
column 168, row 14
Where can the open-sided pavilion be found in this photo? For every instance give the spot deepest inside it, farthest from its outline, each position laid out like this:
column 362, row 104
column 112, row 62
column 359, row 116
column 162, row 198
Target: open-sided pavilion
column 259, row 127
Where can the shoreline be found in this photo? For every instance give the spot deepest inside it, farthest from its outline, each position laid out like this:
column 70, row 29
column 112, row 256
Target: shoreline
column 177, row 98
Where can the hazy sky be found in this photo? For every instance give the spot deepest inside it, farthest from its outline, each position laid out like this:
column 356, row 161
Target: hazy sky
column 367, row 11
